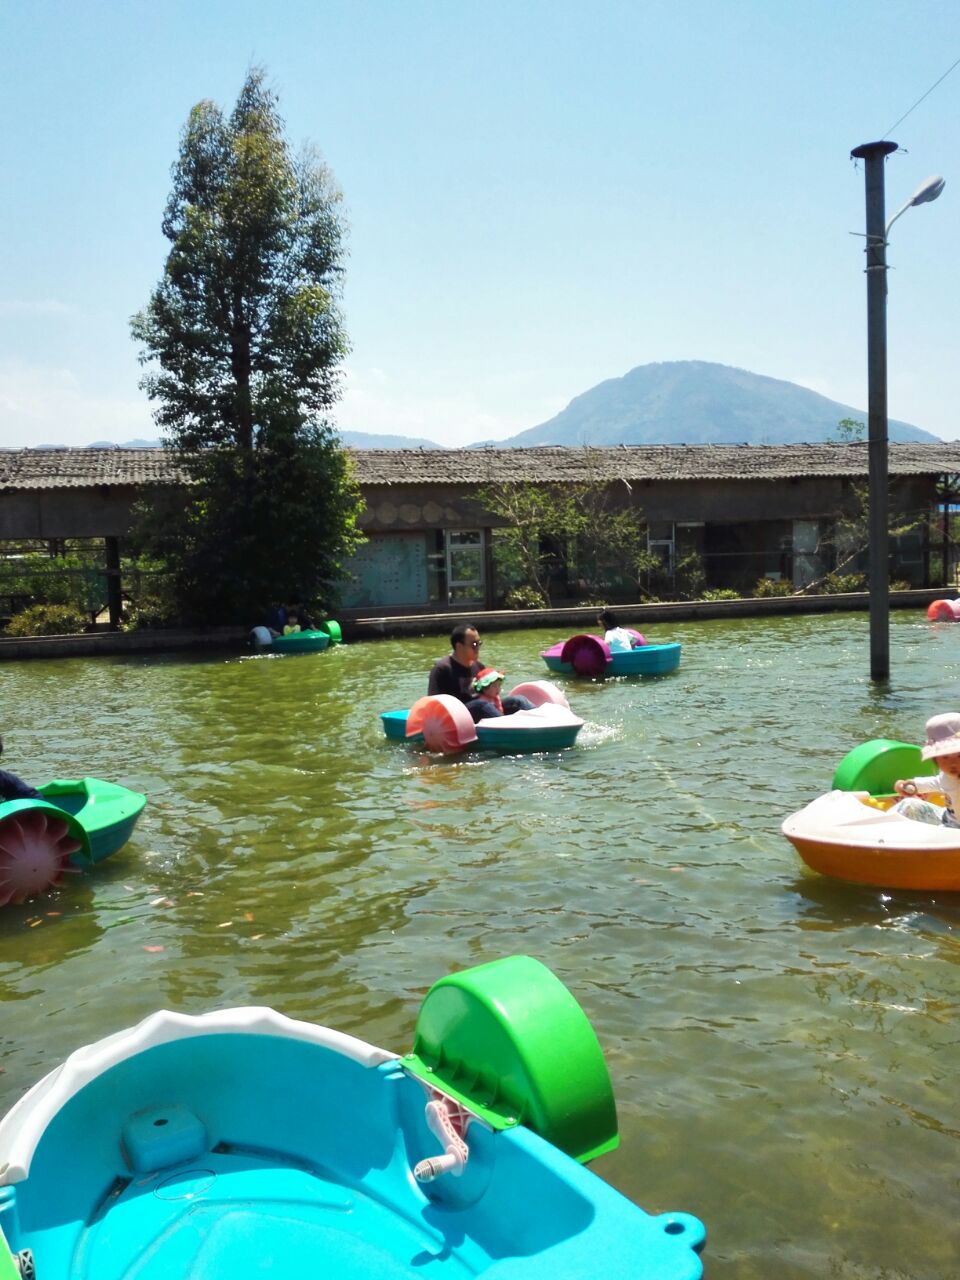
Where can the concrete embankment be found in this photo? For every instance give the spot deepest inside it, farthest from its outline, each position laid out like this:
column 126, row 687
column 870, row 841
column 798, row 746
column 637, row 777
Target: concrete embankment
column 363, row 627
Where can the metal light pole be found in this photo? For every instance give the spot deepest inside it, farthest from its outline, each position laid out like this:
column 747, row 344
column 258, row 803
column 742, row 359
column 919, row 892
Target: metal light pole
column 873, row 155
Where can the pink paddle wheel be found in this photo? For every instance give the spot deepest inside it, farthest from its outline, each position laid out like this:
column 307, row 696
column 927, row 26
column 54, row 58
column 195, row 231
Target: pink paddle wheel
column 445, row 723
column 35, row 849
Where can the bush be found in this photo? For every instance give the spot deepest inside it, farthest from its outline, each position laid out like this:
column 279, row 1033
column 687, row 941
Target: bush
column 525, row 598
column 721, row 593
column 768, row 587
column 48, row 620
column 835, row 584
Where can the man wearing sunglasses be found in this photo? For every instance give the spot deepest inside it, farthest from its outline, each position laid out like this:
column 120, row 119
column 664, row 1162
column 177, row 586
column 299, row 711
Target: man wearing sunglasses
column 454, row 674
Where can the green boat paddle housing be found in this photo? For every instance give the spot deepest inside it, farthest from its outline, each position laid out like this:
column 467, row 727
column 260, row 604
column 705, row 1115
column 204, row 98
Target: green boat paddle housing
column 509, row 1041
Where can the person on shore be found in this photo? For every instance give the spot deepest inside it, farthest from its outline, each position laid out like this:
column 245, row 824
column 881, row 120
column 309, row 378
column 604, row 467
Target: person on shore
column 942, row 746
column 14, row 788
column 618, row 638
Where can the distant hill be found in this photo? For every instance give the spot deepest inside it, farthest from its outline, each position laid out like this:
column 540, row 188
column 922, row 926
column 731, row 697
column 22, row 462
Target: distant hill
column 368, row 440
column 353, row 439
column 694, row 402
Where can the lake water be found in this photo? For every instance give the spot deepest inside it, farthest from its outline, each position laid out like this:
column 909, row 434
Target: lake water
column 784, row 1049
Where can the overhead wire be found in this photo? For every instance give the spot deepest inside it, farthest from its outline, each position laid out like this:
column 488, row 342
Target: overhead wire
column 920, row 99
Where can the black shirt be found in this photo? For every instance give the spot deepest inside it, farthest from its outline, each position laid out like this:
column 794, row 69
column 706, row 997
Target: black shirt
column 450, row 676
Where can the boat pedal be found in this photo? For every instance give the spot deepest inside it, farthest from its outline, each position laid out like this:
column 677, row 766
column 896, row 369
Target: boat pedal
column 161, row 1137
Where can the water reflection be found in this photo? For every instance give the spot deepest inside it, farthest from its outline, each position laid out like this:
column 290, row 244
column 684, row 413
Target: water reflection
column 790, row 1034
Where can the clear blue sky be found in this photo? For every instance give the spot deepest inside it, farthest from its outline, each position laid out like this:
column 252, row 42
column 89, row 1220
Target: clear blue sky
column 542, row 194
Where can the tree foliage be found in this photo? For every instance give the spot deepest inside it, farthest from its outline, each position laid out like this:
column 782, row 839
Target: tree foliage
column 585, row 529
column 243, row 339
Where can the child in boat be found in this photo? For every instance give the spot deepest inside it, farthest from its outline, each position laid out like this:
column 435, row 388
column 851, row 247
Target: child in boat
column 943, row 748
column 485, row 687
column 618, row 638
column 292, row 624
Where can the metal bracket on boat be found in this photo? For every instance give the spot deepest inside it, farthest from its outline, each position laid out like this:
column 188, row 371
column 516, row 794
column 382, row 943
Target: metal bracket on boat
column 448, row 1121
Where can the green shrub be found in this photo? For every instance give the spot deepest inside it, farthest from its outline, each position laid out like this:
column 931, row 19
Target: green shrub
column 525, row 598
column 768, row 587
column 835, row 584
column 721, row 593
column 48, row 620
column 149, row 612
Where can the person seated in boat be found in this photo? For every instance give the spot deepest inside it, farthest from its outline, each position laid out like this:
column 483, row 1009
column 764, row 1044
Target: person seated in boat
column 14, row 788
column 486, row 702
column 454, row 674
column 942, row 746
column 618, row 638
column 292, row 625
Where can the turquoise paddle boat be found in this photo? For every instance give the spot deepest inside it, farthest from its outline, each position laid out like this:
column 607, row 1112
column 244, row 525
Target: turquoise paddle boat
column 313, row 641
column 78, row 823
column 244, row 1143
column 592, row 657
column 443, row 723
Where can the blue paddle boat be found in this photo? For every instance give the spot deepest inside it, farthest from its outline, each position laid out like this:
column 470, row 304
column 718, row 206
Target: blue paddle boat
column 443, row 723
column 592, row 657
column 243, row 1143
column 77, row 823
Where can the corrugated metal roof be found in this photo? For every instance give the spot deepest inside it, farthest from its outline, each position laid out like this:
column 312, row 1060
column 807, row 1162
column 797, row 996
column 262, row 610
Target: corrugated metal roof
column 89, row 468
column 647, row 462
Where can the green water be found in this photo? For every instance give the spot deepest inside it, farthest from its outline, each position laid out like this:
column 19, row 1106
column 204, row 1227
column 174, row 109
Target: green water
column 784, row 1049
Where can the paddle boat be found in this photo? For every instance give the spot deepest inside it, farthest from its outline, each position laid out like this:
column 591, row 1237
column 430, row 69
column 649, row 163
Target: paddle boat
column 312, row 641
column 78, row 823
column 591, row 656
column 443, row 723
column 242, row 1142
column 943, row 610
column 851, row 832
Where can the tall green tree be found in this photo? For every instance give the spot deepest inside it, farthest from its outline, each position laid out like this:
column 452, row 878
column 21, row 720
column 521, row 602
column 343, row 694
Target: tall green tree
column 243, row 341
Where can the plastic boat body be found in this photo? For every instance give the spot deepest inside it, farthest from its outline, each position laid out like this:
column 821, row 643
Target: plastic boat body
column 106, row 811
column 314, row 641
column 647, row 660
column 243, row 1143
column 853, row 836
column 851, row 832
column 77, row 822
column 442, row 723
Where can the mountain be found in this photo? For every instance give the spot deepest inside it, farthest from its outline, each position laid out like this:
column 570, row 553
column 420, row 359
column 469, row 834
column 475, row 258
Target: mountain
column 367, row 440
column 353, row 439
column 694, row 402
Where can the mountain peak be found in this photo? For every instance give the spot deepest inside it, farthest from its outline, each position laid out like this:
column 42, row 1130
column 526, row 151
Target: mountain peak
column 698, row 402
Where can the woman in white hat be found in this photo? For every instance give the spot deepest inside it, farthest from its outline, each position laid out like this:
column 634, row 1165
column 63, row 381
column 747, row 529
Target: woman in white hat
column 943, row 748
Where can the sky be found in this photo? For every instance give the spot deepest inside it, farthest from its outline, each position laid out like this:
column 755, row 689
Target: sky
column 541, row 195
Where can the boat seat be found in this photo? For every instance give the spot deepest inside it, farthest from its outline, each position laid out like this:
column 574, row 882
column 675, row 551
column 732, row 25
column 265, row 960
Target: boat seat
column 162, row 1136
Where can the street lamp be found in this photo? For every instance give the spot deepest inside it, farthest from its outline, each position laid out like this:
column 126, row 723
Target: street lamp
column 873, row 155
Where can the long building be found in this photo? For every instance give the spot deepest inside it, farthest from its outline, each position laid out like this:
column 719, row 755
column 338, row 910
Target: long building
column 747, row 512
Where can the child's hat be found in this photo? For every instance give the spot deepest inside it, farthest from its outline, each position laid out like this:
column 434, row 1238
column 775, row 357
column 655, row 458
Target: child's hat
column 943, row 736
column 490, row 674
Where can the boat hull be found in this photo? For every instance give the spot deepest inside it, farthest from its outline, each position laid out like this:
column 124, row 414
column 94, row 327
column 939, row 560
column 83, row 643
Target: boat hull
column 647, row 660
column 106, row 811
column 301, row 642
column 855, row 837
column 239, row 1142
